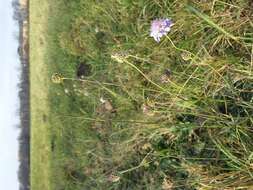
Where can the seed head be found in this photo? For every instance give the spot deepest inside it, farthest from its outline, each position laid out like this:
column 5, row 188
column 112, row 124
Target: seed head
column 57, row 78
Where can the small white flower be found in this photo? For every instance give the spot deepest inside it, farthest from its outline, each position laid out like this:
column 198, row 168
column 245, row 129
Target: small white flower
column 66, row 90
column 102, row 100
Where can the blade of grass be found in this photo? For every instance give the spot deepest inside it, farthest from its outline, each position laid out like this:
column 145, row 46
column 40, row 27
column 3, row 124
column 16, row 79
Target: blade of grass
column 210, row 22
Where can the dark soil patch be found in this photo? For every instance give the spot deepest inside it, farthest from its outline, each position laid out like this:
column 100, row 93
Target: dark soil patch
column 83, row 70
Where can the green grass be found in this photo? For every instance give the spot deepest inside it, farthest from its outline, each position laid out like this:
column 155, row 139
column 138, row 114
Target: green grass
column 187, row 128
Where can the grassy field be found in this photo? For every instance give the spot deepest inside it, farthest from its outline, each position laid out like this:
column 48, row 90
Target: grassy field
column 113, row 109
column 40, row 141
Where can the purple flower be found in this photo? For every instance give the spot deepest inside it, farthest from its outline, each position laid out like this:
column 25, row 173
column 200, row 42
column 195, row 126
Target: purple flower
column 159, row 28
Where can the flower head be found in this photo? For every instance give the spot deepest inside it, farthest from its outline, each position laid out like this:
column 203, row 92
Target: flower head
column 159, row 28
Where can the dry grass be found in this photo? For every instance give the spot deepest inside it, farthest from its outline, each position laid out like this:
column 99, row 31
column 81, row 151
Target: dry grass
column 40, row 151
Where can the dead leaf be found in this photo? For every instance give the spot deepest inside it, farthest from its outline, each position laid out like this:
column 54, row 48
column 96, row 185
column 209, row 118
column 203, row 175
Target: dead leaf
column 167, row 184
column 108, row 105
column 113, row 178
